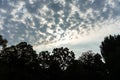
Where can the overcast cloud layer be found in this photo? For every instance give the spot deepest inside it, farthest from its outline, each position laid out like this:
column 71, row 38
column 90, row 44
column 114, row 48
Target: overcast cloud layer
column 79, row 24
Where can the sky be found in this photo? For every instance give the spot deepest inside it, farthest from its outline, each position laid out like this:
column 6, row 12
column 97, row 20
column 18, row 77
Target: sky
column 80, row 25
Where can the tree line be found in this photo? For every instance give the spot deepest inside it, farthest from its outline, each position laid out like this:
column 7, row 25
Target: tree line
column 21, row 62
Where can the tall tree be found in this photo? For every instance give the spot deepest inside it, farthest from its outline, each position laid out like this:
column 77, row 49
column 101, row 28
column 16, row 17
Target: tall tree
column 110, row 50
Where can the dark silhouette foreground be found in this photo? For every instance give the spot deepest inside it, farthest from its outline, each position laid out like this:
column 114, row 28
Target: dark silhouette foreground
column 21, row 62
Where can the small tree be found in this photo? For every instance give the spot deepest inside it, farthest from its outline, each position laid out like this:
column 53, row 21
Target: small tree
column 94, row 65
column 63, row 56
column 3, row 42
column 87, row 58
column 44, row 59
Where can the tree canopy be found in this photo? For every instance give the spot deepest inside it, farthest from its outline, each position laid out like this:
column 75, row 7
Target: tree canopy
column 22, row 62
column 110, row 50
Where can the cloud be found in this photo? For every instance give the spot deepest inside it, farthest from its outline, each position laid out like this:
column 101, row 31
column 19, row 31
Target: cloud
column 52, row 23
column 88, row 41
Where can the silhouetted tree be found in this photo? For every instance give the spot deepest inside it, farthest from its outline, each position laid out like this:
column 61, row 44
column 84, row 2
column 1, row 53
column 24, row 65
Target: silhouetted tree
column 3, row 42
column 110, row 50
column 21, row 62
column 63, row 56
column 44, row 59
column 94, row 65
column 87, row 58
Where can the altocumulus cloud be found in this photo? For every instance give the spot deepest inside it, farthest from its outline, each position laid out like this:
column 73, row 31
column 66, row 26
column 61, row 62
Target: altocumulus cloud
column 46, row 24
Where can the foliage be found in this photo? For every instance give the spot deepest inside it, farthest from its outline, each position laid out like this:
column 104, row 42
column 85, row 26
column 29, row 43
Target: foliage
column 110, row 50
column 3, row 42
column 21, row 62
column 63, row 56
